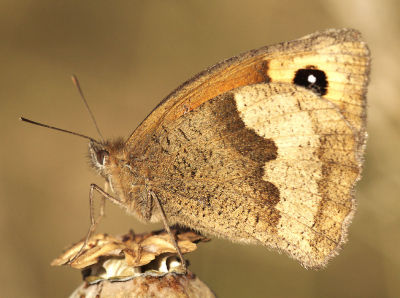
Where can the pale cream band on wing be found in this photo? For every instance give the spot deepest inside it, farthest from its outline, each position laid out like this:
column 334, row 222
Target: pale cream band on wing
column 295, row 119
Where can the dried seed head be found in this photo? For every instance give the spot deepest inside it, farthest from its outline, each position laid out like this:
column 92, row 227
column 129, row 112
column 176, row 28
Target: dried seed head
column 135, row 265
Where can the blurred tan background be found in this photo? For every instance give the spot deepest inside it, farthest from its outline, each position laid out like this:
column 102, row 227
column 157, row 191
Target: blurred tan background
column 128, row 56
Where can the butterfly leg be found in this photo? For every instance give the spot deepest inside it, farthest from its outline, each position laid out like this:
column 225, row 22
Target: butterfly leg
column 166, row 226
column 94, row 222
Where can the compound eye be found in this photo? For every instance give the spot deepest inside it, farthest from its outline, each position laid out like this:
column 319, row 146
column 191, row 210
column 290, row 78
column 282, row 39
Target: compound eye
column 312, row 78
column 101, row 156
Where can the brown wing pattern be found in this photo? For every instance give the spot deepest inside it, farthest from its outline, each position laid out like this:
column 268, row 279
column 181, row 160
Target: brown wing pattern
column 241, row 152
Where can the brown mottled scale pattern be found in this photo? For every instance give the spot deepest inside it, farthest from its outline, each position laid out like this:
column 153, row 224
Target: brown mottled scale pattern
column 241, row 152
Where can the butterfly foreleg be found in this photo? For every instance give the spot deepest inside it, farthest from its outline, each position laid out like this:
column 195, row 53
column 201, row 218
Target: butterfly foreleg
column 95, row 221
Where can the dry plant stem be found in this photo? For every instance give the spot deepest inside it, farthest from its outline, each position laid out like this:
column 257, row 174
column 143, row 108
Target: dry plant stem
column 94, row 222
column 172, row 236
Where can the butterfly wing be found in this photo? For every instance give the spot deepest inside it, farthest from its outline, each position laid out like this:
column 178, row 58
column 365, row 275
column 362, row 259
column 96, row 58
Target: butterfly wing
column 337, row 50
column 265, row 147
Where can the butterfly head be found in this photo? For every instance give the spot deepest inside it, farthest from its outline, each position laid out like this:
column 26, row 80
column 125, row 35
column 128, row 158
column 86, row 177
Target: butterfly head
column 99, row 156
column 104, row 155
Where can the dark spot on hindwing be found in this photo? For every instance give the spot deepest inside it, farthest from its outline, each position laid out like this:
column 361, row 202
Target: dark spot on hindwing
column 312, row 78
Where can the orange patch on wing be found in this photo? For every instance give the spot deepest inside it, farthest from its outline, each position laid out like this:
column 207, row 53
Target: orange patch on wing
column 233, row 77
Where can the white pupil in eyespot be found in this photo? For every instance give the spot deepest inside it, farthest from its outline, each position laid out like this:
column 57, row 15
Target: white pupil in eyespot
column 311, row 79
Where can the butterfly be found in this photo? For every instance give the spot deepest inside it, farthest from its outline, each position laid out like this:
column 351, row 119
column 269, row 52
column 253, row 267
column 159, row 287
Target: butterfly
column 265, row 148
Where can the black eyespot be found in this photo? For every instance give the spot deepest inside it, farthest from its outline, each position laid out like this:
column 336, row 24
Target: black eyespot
column 101, row 155
column 312, row 78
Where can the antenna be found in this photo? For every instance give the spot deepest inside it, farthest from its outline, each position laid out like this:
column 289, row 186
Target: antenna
column 59, row 129
column 78, row 86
